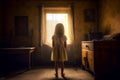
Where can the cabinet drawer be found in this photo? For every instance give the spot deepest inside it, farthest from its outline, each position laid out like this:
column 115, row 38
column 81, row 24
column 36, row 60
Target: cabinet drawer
column 87, row 45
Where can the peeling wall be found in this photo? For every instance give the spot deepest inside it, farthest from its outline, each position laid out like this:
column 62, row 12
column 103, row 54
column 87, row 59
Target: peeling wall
column 110, row 16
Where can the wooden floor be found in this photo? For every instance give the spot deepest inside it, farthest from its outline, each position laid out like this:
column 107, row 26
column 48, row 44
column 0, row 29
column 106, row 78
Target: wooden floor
column 48, row 74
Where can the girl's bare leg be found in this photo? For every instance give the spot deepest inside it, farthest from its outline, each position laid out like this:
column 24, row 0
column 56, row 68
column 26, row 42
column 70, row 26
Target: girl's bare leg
column 62, row 68
column 56, row 69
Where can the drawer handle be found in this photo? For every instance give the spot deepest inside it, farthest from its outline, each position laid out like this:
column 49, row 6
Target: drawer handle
column 87, row 47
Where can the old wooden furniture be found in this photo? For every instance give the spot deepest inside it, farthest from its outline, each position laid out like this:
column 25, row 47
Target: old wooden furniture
column 15, row 59
column 101, row 57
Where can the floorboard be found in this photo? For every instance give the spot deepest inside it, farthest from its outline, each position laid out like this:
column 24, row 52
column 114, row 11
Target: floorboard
column 48, row 74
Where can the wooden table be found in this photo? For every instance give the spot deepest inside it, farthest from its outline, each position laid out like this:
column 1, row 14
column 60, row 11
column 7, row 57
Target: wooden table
column 20, row 50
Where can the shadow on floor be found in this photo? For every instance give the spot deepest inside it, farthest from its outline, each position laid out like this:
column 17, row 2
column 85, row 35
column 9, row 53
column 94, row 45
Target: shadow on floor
column 61, row 78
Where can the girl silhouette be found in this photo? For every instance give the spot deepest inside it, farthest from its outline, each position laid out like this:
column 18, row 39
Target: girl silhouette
column 59, row 44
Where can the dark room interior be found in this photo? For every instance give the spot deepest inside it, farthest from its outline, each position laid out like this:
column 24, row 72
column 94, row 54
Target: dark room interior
column 93, row 39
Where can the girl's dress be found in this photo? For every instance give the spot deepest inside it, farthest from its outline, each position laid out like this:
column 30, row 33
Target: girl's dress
column 59, row 52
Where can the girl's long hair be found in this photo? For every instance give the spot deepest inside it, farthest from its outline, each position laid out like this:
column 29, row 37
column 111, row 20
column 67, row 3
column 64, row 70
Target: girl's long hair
column 59, row 30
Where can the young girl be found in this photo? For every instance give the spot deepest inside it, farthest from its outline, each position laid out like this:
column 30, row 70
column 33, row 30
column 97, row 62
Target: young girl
column 59, row 54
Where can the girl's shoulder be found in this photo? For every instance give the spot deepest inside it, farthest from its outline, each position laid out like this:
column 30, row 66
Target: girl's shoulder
column 65, row 37
column 54, row 36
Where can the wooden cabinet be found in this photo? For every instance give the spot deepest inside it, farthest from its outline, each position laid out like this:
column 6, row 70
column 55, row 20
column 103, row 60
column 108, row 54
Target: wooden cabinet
column 88, row 56
column 101, row 57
